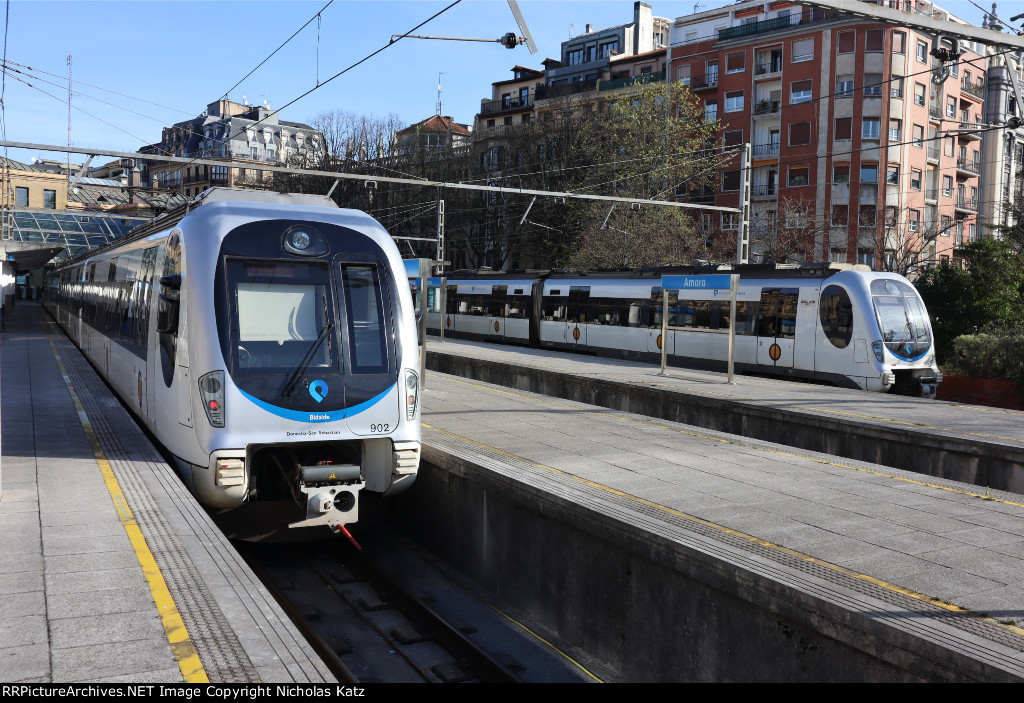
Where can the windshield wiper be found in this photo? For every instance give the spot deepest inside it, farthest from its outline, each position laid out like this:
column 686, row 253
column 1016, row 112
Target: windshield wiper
column 308, row 358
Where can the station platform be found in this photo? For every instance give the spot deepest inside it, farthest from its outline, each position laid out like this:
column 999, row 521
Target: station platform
column 973, row 444
column 109, row 570
column 681, row 553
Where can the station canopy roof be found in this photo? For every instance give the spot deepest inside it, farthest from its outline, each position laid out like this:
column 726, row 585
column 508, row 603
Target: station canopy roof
column 74, row 233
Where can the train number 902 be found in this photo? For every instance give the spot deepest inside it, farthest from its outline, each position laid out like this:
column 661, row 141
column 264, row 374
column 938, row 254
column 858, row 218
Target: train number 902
column 382, row 427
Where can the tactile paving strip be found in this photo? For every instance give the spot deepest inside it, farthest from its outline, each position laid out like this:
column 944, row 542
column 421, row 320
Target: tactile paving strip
column 222, row 655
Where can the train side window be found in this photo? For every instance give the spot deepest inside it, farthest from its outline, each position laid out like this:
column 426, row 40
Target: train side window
column 605, row 311
column 836, row 312
column 777, row 313
column 496, row 302
column 632, row 313
column 702, row 314
column 518, row 306
column 555, row 305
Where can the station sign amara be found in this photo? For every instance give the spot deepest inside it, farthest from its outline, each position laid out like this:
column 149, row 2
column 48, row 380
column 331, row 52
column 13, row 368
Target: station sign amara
column 685, row 282
column 710, row 282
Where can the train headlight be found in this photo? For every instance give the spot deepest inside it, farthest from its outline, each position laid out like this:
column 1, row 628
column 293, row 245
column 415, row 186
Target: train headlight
column 304, row 241
column 412, row 394
column 877, row 348
column 211, row 390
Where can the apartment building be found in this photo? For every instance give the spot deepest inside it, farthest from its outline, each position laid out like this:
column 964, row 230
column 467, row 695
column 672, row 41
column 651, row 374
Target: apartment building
column 866, row 148
column 230, row 131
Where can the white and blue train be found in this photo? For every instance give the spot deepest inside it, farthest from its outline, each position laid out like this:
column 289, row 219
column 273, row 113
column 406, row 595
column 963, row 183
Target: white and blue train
column 268, row 342
column 840, row 324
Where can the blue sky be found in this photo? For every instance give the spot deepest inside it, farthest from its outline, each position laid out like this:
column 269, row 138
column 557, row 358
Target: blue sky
column 180, row 55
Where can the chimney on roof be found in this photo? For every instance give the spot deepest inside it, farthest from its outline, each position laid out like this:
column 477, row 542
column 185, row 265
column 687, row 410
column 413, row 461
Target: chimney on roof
column 590, row 28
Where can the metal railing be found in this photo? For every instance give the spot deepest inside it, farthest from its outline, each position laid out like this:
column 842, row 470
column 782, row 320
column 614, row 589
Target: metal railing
column 765, row 107
column 966, row 203
column 934, row 151
column 762, row 190
column 769, row 67
column 974, row 89
column 493, row 107
column 703, row 82
column 772, row 25
column 931, row 194
column 555, row 91
column 632, row 80
column 766, row 150
column 972, row 165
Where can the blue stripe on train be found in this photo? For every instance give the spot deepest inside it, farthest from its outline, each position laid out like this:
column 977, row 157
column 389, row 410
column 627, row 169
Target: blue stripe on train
column 318, row 416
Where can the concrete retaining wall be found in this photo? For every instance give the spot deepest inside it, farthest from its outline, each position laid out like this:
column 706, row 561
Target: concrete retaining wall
column 652, row 608
column 920, row 450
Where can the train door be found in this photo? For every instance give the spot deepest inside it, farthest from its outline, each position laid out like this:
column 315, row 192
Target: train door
column 496, row 313
column 576, row 328
column 451, row 303
column 655, row 312
column 776, row 326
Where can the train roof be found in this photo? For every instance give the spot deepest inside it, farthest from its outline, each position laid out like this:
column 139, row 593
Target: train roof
column 809, row 270
column 210, row 195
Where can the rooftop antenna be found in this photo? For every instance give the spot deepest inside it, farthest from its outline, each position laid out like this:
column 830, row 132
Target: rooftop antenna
column 439, row 92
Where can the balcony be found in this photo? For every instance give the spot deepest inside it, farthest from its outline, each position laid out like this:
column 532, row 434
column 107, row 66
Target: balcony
column 972, row 89
column 546, row 92
column 617, row 83
column 967, row 168
column 767, row 69
column 966, row 203
column 767, row 107
column 931, row 194
column 763, row 191
column 935, row 112
column 773, row 25
column 765, row 151
column 496, row 107
column 933, row 151
column 704, row 82
column 968, row 132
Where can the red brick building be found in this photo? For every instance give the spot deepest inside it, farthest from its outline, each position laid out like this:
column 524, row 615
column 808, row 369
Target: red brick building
column 865, row 147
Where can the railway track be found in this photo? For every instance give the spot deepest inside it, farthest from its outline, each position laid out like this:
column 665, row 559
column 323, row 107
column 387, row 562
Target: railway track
column 387, row 615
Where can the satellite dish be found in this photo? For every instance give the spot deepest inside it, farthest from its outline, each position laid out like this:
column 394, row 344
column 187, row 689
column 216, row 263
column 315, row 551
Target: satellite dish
column 514, row 6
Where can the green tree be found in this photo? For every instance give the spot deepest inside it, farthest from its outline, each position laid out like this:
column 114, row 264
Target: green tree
column 982, row 289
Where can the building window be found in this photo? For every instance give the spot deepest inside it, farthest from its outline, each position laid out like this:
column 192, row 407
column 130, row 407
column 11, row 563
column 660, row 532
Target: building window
column 574, row 56
column 947, row 223
column 947, row 186
column 608, row 47
column 972, row 230
column 896, row 88
column 732, row 137
column 874, row 40
column 841, row 173
column 872, row 84
column 803, row 50
column 899, row 42
column 915, row 179
column 683, row 74
column 711, row 73
column 869, row 173
column 734, row 101
column 892, row 175
column 840, row 215
column 844, row 87
column 731, row 180
column 895, row 130
column 919, row 94
column 50, row 199
column 870, row 128
column 922, row 51
column 919, row 136
column 915, row 220
column 730, row 221
column 796, row 218
column 844, row 128
column 866, row 216
column 798, row 176
column 254, row 153
column 847, row 42
column 711, row 111
column 951, row 107
column 21, row 197
column 799, row 133
column 736, row 62
column 800, row 92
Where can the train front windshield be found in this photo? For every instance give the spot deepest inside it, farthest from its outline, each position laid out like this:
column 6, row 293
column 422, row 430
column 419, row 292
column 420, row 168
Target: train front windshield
column 901, row 317
column 283, row 316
